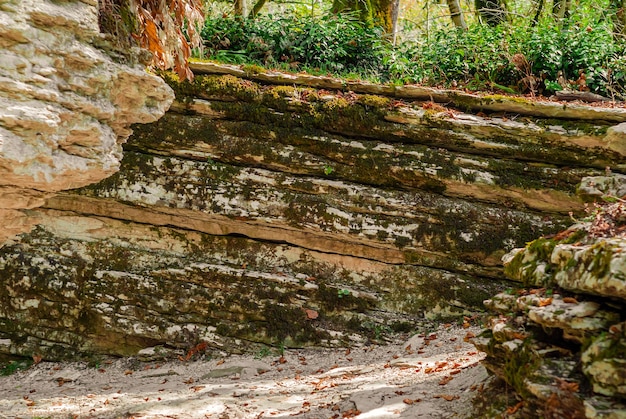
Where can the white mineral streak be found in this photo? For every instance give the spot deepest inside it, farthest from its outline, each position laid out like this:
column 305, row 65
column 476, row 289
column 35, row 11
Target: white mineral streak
column 65, row 105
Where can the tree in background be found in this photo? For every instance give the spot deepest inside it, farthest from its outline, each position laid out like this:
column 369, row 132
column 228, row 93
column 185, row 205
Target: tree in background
column 169, row 29
column 383, row 13
column 492, row 12
column 456, row 14
column 618, row 14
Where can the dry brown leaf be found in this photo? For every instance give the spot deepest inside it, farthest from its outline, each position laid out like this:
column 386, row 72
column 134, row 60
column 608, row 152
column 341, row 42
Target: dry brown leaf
column 447, row 397
column 512, row 409
column 570, row 300
column 445, row 380
column 568, row 385
column 545, row 302
column 468, row 336
column 311, row 314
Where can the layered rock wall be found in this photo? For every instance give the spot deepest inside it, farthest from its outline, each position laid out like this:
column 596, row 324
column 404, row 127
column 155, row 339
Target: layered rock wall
column 560, row 341
column 65, row 105
column 256, row 212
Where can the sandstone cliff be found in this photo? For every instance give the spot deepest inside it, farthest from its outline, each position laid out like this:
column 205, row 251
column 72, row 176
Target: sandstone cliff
column 559, row 342
column 65, row 104
column 260, row 210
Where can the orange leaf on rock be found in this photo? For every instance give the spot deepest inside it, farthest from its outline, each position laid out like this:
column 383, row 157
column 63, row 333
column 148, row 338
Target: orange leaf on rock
column 311, row 314
column 570, row 300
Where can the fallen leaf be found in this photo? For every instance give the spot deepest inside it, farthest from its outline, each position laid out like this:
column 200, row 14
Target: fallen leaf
column 445, row 380
column 568, row 385
column 311, row 314
column 189, row 381
column 570, row 300
column 348, row 351
column 351, row 413
column 197, row 388
column 446, row 397
column 468, row 336
column 408, row 401
column 220, row 362
column 282, row 360
column 37, row 359
column 545, row 302
column 128, row 372
column 515, row 408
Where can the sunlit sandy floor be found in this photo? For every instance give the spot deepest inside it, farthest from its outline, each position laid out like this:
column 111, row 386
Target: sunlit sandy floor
column 433, row 376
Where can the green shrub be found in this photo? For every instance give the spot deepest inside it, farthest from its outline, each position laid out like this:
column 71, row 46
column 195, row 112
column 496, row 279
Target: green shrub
column 336, row 43
column 479, row 58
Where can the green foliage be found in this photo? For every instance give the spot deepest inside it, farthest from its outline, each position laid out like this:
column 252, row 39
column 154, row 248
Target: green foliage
column 343, row 293
column 12, row 367
column 578, row 53
column 335, row 43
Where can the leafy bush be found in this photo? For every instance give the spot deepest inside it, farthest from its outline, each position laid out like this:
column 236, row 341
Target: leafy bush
column 481, row 57
column 336, row 43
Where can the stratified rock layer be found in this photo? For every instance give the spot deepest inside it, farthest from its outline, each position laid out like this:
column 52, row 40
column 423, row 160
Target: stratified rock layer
column 65, row 105
column 568, row 335
column 259, row 213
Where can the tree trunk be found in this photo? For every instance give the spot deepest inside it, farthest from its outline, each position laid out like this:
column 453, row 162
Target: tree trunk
column 560, row 9
column 540, row 4
column 241, row 8
column 457, row 14
column 491, row 12
column 373, row 12
column 256, row 8
column 618, row 15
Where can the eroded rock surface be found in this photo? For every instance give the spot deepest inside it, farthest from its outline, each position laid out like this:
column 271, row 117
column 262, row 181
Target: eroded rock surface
column 562, row 346
column 256, row 214
column 65, row 105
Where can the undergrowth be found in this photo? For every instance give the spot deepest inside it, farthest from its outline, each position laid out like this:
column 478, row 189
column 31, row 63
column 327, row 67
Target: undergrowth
column 513, row 59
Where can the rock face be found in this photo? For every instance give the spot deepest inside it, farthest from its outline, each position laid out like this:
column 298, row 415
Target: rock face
column 261, row 213
column 65, row 105
column 562, row 346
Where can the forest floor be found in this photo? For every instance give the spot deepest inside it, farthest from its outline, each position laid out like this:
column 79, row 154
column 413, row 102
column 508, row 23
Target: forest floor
column 435, row 375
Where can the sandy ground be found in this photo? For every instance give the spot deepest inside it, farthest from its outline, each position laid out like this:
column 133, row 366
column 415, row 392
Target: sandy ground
column 427, row 376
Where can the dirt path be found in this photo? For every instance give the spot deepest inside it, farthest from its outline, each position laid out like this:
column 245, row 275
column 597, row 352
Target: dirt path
column 433, row 376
